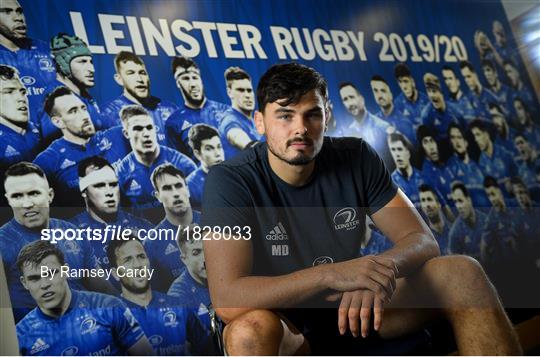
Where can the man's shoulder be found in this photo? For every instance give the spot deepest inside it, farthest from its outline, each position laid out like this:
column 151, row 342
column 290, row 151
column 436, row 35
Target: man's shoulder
column 90, row 299
column 30, row 322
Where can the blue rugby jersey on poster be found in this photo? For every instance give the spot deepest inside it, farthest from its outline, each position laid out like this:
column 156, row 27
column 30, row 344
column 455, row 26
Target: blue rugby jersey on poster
column 480, row 102
column 94, row 325
column 182, row 120
column 412, row 111
column 134, row 177
column 232, row 118
column 500, row 235
column 410, row 185
column 377, row 244
column 14, row 236
column 159, row 109
column 195, row 182
column 500, row 165
column 440, row 120
column 473, row 178
column 442, row 237
column 398, row 121
column 505, row 96
column 123, row 219
column 440, row 176
column 527, row 171
column 190, row 293
column 164, row 255
column 465, row 239
column 36, row 70
column 16, row 146
column 60, row 160
column 170, row 326
column 50, row 132
column 463, row 107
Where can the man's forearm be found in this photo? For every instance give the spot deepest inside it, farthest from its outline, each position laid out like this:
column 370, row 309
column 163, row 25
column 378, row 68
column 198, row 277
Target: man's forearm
column 411, row 252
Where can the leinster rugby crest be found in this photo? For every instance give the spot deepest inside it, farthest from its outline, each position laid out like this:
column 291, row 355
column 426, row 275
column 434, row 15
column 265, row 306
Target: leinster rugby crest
column 346, row 218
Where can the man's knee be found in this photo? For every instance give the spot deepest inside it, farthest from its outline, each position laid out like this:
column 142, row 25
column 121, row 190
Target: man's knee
column 248, row 331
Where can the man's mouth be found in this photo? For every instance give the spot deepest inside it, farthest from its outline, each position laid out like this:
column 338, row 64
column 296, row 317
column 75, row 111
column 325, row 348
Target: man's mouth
column 110, row 203
column 20, row 29
column 23, row 109
column 31, row 214
column 48, row 295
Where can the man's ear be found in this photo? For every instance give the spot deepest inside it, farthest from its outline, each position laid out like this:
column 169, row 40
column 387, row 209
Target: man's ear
column 258, row 118
column 229, row 92
column 51, row 195
column 124, row 131
column 57, row 121
column 118, row 80
column 23, row 282
column 197, row 154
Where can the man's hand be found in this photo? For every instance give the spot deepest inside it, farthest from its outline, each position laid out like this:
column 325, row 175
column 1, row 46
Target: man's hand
column 374, row 273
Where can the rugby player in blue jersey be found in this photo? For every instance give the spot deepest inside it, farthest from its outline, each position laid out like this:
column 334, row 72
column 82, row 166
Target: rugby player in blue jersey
column 504, row 133
column 438, row 114
column 74, row 70
column 237, row 126
column 457, row 98
column 135, row 169
column 528, row 165
column 494, row 160
column 432, row 208
column 464, row 168
column 387, row 111
column 171, row 190
column 410, row 102
column 132, row 75
column 501, row 44
column 197, row 108
column 79, row 140
column 502, row 92
column 68, row 321
column 172, row 327
column 98, row 185
column 31, row 57
column 206, row 145
column 364, row 124
column 520, row 89
column 20, row 137
column 191, row 286
column 479, row 96
column 525, row 123
column 29, row 196
column 465, row 236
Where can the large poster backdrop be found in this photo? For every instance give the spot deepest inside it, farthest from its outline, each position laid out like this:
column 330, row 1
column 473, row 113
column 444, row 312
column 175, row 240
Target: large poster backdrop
column 436, row 87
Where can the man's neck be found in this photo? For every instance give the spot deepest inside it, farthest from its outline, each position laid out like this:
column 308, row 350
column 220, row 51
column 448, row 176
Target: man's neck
column 75, row 139
column 149, row 158
column 142, row 299
column 443, row 108
column 9, row 44
column 131, row 97
column 200, row 281
column 103, row 218
column 489, row 150
column 180, row 220
column 478, row 89
column 496, row 87
column 458, row 95
column 362, row 115
column 414, row 96
column 406, row 172
column 190, row 105
column 12, row 126
column 471, row 220
column 437, row 223
column 69, row 83
column 463, row 157
column 60, row 310
column 388, row 109
column 247, row 113
column 294, row 175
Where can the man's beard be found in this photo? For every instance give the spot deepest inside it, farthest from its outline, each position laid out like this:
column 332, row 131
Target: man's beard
column 137, row 290
column 297, row 161
column 435, row 218
column 193, row 102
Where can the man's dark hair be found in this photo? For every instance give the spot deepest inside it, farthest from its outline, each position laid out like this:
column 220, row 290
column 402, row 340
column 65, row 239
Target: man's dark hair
column 378, row 78
column 508, row 62
column 23, row 168
column 235, row 73
column 131, row 111
column 489, row 63
column 448, row 68
column 427, row 188
column 402, row 70
column 8, row 73
column 35, row 252
column 479, row 124
column 182, row 238
column 495, row 106
column 490, row 181
column 199, row 132
column 523, row 104
column 400, row 137
column 124, row 57
column 163, row 169
column 455, row 125
column 347, row 84
column 458, row 185
column 424, row 131
column 467, row 64
column 520, row 134
column 96, row 162
column 184, row 62
column 287, row 83
column 48, row 105
column 114, row 245
column 516, row 180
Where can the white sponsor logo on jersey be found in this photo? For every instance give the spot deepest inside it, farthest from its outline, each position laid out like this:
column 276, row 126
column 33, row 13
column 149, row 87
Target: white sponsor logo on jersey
column 67, row 163
column 323, row 260
column 28, row 80
column 277, row 233
column 70, row 351
column 134, row 186
column 171, row 248
column 345, row 218
column 39, row 346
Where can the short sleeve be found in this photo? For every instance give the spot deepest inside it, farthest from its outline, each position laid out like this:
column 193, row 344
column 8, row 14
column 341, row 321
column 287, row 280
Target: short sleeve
column 126, row 327
column 226, row 200
column 378, row 188
column 197, row 334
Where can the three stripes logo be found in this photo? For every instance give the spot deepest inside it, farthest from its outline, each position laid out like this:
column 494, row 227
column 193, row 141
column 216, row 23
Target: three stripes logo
column 277, row 233
column 39, row 346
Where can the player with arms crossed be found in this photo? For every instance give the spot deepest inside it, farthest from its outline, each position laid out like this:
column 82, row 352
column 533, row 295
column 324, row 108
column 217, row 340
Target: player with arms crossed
column 299, row 167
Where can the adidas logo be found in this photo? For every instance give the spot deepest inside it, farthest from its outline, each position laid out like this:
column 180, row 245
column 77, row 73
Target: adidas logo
column 67, row 163
column 39, row 346
column 11, row 151
column 186, row 125
column 134, row 186
column 277, row 233
column 203, row 310
column 171, row 249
